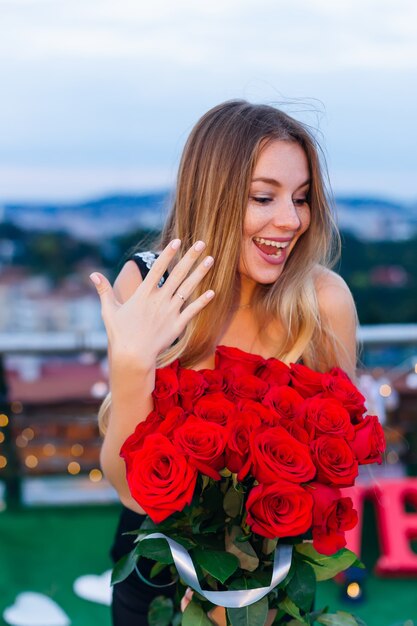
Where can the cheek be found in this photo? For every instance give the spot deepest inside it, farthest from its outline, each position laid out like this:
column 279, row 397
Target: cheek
column 305, row 218
column 253, row 223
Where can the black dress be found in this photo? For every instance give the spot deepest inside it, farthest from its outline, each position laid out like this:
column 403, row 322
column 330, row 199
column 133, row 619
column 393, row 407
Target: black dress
column 131, row 598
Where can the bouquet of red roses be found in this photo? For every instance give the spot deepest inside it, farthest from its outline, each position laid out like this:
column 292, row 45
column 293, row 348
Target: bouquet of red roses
column 240, row 470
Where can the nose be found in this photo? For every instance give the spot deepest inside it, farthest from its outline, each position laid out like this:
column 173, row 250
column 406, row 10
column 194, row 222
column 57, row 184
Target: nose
column 286, row 216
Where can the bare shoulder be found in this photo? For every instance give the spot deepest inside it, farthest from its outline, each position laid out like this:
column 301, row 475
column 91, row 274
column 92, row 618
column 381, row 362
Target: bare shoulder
column 333, row 295
column 127, row 281
column 337, row 308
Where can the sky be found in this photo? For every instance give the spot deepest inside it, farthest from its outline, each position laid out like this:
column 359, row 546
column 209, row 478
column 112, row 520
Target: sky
column 98, row 96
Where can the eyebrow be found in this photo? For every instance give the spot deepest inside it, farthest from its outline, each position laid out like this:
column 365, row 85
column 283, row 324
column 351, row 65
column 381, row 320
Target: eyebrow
column 272, row 181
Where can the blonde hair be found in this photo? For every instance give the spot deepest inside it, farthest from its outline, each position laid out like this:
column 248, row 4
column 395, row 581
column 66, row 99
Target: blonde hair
column 210, row 202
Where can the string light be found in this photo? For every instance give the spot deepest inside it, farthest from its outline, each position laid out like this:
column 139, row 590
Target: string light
column 4, row 420
column 1, row 437
column 31, row 461
column 49, row 449
column 3, row 461
column 77, row 449
column 16, row 406
column 28, row 433
column 21, row 441
column 385, row 390
column 73, row 468
column 353, row 590
column 99, row 389
column 95, row 475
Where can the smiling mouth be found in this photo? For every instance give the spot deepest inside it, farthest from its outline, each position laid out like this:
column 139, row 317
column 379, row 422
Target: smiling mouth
column 269, row 247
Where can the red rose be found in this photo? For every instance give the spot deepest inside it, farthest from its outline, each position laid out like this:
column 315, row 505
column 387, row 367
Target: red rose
column 284, row 400
column 277, row 455
column 266, row 414
column 332, row 516
column 233, row 358
column 135, row 440
column 274, row 372
column 214, row 407
column 338, row 385
column 305, row 380
column 191, row 387
column 279, row 510
column 295, row 426
column 237, row 450
column 324, row 416
column 245, row 386
column 214, row 380
column 159, row 477
column 369, row 442
column 337, row 372
column 165, row 393
column 336, row 464
column 203, row 443
column 174, row 419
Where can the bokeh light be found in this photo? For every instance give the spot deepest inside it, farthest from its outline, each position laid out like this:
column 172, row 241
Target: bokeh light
column 95, row 475
column 73, row 468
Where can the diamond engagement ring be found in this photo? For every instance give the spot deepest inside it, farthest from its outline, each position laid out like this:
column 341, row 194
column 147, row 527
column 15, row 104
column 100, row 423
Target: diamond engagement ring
column 180, row 296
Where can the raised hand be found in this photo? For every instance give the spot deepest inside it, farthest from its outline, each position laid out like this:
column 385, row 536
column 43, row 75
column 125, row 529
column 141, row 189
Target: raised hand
column 153, row 317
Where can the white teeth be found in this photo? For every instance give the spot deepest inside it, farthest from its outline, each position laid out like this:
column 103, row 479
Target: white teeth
column 269, row 242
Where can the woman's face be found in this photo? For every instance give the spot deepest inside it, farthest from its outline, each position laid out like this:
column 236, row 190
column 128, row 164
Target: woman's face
column 277, row 212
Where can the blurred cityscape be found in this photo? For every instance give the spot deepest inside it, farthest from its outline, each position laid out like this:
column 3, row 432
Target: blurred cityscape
column 53, row 345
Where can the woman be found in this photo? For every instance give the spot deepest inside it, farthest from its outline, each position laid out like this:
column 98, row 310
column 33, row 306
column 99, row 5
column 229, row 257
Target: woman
column 247, row 247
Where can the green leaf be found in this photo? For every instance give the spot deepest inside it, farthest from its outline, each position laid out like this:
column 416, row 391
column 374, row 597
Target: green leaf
column 157, row 569
column 155, row 549
column 161, row 611
column 326, row 567
column 124, row 567
column 232, row 502
column 219, row 564
column 245, row 552
column 290, row 608
column 195, row 616
column 338, row 619
column 252, row 615
column 302, row 586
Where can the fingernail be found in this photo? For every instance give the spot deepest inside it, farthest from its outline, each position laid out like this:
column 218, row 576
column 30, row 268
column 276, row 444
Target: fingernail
column 200, row 245
column 209, row 294
column 208, row 261
column 95, row 278
column 175, row 244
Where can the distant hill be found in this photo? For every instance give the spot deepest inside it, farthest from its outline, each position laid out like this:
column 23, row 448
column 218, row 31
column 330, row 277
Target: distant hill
column 368, row 218
column 94, row 219
column 376, row 219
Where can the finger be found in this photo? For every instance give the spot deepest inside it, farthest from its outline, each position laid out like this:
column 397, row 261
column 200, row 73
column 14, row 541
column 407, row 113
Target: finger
column 105, row 292
column 195, row 307
column 160, row 266
column 183, row 267
column 186, row 599
column 188, row 286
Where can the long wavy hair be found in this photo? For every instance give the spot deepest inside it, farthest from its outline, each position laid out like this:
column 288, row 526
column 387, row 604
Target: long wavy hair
column 210, row 201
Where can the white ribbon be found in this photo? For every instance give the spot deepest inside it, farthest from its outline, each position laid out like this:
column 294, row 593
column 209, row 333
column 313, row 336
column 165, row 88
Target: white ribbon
column 229, row 599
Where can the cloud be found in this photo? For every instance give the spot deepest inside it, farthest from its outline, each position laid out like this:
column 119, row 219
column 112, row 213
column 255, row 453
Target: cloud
column 296, row 35
column 54, row 183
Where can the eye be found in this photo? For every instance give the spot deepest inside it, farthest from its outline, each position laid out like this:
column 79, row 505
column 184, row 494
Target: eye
column 261, row 199
column 300, row 201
